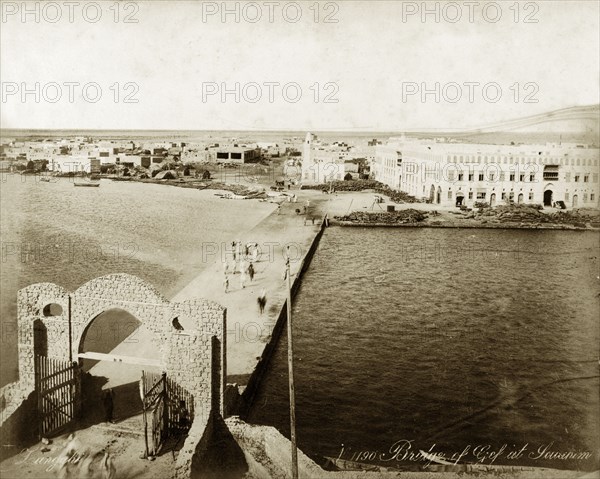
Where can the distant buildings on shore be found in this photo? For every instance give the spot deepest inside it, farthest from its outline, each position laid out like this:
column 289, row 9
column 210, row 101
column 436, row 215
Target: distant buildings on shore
column 324, row 162
column 454, row 174
column 441, row 171
column 85, row 155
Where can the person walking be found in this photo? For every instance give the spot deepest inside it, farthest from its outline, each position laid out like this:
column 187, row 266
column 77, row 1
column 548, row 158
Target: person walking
column 262, row 301
column 251, row 272
column 108, row 403
column 226, row 283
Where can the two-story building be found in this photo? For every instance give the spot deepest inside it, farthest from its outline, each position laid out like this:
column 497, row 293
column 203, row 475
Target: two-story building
column 449, row 173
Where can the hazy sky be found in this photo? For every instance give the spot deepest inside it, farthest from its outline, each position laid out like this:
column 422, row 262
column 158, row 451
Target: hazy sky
column 358, row 65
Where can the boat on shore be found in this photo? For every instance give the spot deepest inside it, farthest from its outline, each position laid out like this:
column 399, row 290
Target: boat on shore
column 86, row 183
column 347, row 465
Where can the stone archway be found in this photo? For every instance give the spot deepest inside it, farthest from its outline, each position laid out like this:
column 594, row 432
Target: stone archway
column 121, row 292
column 548, row 197
column 107, row 331
column 438, row 196
column 493, row 199
column 520, row 198
column 193, row 354
column 575, row 201
column 432, row 194
column 115, row 350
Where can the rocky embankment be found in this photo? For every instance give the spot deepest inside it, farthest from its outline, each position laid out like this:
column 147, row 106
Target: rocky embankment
column 392, row 218
column 363, row 185
column 534, row 216
column 505, row 216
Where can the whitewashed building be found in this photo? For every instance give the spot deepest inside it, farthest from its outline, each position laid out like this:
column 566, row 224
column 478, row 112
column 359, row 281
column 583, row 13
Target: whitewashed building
column 321, row 163
column 462, row 173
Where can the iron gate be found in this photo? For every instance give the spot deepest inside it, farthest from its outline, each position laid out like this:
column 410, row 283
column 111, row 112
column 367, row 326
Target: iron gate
column 58, row 386
column 168, row 410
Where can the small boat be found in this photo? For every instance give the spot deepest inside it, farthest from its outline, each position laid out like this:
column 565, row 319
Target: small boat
column 45, row 179
column 347, row 465
column 86, row 183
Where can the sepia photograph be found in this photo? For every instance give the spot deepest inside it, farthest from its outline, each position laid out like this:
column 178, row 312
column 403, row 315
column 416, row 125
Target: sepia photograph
column 350, row 239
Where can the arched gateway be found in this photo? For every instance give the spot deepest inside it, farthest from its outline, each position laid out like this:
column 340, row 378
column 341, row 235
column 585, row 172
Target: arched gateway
column 188, row 337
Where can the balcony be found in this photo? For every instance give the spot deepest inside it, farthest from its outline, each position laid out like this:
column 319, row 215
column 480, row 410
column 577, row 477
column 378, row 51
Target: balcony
column 550, row 173
column 550, row 176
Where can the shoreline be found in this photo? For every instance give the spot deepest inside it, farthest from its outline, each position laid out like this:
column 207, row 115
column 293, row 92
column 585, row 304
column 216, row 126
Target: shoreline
column 334, row 222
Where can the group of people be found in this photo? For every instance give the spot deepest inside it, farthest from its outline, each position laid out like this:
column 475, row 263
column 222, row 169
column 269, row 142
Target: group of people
column 242, row 263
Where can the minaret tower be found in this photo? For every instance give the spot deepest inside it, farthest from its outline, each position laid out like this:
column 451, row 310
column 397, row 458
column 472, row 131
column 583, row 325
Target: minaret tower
column 307, row 170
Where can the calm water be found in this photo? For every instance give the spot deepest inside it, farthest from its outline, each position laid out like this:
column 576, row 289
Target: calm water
column 449, row 337
column 58, row 233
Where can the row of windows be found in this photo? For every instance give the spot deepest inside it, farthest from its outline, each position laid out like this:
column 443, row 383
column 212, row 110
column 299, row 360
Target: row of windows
column 511, row 196
column 522, row 177
column 577, row 178
column 507, row 160
column 491, row 177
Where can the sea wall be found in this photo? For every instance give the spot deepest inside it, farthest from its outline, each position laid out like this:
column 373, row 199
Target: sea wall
column 263, row 364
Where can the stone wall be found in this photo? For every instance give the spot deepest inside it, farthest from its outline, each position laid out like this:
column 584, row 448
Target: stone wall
column 34, row 321
column 189, row 336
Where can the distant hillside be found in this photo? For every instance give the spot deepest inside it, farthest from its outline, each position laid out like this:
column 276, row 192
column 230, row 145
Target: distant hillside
column 579, row 124
column 577, row 119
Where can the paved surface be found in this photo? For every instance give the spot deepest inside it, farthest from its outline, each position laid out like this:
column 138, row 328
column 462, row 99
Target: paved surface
column 247, row 329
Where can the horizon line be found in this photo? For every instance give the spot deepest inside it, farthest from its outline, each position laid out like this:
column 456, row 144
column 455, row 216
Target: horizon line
column 520, row 122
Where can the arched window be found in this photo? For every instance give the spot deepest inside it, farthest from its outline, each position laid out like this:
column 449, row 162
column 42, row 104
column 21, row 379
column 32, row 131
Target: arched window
column 52, row 309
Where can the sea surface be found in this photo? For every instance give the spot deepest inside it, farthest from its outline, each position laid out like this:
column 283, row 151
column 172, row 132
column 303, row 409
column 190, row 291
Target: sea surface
column 296, row 137
column 55, row 232
column 446, row 340
column 477, row 340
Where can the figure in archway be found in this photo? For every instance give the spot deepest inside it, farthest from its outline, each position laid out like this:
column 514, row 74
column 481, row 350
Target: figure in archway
column 109, row 404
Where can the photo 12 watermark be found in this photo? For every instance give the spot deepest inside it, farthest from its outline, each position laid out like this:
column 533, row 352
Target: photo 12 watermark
column 269, row 92
column 69, row 12
column 469, row 92
column 470, row 12
column 29, row 252
column 69, row 92
column 270, row 12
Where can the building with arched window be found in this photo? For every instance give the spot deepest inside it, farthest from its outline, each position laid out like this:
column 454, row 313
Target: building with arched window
column 454, row 174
